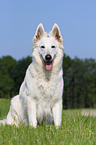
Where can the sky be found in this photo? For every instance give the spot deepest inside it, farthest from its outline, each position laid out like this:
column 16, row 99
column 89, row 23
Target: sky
column 20, row 18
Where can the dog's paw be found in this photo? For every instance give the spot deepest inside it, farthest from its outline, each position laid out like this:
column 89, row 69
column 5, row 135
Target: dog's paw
column 57, row 127
column 34, row 125
column 2, row 122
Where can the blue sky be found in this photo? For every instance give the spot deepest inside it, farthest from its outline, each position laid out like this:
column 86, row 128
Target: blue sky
column 76, row 19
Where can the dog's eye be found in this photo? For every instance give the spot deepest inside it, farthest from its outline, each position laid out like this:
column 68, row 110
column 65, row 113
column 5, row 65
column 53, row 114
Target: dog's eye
column 43, row 46
column 52, row 46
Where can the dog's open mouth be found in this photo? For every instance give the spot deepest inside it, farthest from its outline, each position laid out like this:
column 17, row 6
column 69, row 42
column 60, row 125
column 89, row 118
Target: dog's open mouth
column 48, row 61
column 48, row 64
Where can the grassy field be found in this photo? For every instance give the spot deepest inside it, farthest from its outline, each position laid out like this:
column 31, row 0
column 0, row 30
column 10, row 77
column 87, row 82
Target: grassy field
column 75, row 130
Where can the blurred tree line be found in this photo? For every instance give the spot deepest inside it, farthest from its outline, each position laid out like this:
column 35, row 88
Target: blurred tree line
column 79, row 80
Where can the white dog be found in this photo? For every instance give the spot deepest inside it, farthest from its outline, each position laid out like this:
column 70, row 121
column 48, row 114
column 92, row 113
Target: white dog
column 40, row 96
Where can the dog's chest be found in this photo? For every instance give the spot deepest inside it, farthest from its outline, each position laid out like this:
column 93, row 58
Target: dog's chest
column 45, row 90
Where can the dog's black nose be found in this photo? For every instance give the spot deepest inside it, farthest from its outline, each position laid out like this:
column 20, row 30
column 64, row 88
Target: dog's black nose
column 48, row 57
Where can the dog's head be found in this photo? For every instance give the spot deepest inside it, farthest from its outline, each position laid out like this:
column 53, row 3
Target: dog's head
column 48, row 47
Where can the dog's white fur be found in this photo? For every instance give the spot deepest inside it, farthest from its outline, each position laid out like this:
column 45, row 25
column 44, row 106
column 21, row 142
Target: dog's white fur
column 40, row 96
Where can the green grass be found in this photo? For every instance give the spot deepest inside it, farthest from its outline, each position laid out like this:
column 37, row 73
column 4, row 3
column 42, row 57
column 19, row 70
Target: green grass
column 75, row 130
column 4, row 107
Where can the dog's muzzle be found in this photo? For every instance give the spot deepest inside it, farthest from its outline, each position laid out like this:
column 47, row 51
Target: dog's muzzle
column 48, row 62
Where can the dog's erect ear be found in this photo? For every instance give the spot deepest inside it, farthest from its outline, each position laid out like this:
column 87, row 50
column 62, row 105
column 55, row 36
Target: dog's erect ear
column 39, row 32
column 56, row 33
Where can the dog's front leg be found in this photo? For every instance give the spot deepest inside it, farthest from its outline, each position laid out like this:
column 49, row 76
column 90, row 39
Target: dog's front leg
column 31, row 106
column 57, row 113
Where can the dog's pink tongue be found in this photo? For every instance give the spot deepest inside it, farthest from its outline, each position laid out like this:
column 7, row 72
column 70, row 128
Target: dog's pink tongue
column 48, row 67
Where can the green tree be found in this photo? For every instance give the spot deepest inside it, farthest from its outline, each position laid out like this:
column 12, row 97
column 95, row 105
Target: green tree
column 19, row 74
column 7, row 68
column 67, row 62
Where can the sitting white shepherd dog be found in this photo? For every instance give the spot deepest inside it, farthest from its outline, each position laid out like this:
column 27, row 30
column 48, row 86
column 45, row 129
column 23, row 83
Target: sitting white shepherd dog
column 40, row 95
